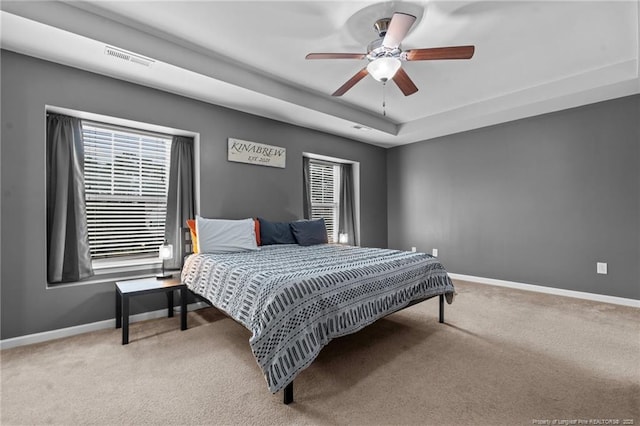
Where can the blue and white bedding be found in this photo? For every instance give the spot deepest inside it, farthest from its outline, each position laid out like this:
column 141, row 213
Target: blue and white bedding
column 295, row 299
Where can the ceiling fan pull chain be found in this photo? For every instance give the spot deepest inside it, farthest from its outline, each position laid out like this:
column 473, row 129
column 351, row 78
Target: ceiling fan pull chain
column 384, row 99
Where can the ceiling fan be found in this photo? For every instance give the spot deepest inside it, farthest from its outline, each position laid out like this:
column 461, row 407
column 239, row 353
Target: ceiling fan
column 385, row 56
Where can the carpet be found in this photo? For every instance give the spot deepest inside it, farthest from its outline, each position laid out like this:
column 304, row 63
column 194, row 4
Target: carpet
column 504, row 356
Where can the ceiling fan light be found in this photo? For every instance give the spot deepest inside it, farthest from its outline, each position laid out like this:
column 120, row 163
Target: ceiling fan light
column 382, row 69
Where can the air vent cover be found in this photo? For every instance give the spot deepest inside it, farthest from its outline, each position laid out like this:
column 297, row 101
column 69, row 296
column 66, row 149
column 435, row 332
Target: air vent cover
column 361, row 127
column 127, row 56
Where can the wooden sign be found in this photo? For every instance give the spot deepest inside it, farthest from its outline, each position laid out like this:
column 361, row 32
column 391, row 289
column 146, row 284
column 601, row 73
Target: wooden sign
column 256, row 153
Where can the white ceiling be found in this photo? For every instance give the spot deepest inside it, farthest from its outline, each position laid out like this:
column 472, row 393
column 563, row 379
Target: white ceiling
column 531, row 57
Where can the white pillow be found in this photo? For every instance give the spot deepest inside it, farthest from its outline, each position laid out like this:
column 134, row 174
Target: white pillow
column 225, row 236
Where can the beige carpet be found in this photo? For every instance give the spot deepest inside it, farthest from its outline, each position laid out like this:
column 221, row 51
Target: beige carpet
column 504, row 357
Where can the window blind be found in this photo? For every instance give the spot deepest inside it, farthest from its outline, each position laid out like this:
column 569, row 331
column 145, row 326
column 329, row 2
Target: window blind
column 324, row 179
column 126, row 176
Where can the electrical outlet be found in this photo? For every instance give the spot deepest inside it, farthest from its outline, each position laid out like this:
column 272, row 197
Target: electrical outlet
column 601, row 268
column 434, row 252
column 413, row 249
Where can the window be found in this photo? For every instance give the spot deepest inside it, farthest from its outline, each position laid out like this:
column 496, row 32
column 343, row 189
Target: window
column 126, row 174
column 324, row 182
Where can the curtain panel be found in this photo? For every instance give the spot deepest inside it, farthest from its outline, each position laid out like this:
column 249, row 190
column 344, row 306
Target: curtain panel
column 68, row 253
column 346, row 206
column 306, row 189
column 180, row 198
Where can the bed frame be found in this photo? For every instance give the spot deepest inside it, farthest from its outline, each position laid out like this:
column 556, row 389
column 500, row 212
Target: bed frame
column 288, row 390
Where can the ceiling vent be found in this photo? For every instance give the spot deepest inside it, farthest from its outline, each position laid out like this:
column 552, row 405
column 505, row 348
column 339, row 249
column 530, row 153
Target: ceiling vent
column 361, row 127
column 127, row 56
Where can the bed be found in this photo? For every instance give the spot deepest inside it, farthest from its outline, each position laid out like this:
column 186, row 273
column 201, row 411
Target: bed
column 295, row 299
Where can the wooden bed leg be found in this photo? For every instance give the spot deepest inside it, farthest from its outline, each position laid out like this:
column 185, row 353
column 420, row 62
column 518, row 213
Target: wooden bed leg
column 441, row 320
column 288, row 393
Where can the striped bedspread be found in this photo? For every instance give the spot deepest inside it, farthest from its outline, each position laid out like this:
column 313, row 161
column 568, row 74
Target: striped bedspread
column 295, row 299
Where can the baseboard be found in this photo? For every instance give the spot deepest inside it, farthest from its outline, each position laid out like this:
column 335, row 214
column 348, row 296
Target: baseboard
column 550, row 290
column 86, row 328
column 111, row 323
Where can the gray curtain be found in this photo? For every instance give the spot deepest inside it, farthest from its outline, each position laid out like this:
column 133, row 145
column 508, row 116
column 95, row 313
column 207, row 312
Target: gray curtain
column 347, row 204
column 180, row 200
column 68, row 254
column 306, row 189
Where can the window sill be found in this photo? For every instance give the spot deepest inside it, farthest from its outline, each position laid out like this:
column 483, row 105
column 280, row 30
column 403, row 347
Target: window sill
column 118, row 273
column 109, row 267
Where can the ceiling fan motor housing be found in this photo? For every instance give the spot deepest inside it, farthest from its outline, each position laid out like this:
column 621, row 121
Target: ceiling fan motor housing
column 375, row 49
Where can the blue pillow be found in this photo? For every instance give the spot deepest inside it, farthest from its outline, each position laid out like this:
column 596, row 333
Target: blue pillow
column 275, row 233
column 309, row 232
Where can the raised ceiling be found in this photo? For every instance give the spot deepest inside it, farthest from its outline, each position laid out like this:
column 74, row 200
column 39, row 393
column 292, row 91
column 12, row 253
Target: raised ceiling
column 531, row 57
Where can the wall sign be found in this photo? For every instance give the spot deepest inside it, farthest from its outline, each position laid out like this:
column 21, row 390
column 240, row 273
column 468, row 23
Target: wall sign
column 256, row 153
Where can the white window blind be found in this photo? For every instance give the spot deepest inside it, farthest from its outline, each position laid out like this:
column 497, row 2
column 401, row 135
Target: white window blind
column 324, row 182
column 126, row 176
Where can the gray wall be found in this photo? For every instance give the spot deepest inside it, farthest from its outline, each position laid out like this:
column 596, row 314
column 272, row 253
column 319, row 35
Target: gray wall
column 229, row 190
column 536, row 201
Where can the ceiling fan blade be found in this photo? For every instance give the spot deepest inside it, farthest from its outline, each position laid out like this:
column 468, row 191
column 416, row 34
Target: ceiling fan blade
column 398, row 29
column 454, row 52
column 405, row 83
column 336, row 56
column 352, row 82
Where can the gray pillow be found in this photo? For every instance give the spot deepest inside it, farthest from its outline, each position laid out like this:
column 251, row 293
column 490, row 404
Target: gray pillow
column 225, row 236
